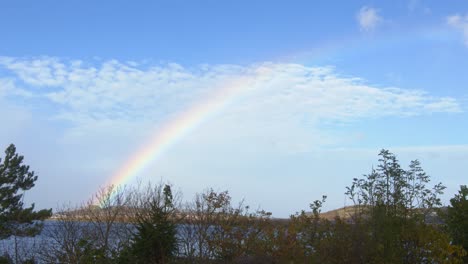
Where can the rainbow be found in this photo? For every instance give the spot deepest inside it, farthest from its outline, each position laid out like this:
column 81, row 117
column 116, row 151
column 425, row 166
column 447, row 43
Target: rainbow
column 182, row 124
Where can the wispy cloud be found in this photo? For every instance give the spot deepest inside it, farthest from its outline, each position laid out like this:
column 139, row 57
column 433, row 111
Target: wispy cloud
column 368, row 18
column 289, row 99
column 99, row 113
column 461, row 23
column 8, row 87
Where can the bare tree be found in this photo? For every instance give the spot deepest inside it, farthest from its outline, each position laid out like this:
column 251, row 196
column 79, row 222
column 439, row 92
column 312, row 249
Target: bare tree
column 93, row 230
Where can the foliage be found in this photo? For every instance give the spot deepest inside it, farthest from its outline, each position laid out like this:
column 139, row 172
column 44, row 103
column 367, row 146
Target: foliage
column 457, row 218
column 90, row 233
column 216, row 230
column 393, row 191
column 7, row 259
column 15, row 179
column 155, row 238
column 392, row 205
column 105, row 220
column 147, row 225
column 310, row 229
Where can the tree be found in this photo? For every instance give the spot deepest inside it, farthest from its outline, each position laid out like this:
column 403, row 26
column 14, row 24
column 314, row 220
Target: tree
column 457, row 218
column 89, row 233
column 15, row 179
column 215, row 230
column 393, row 205
column 155, row 238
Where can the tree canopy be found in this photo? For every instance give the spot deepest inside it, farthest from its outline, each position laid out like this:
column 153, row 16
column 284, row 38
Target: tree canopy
column 457, row 218
column 15, row 179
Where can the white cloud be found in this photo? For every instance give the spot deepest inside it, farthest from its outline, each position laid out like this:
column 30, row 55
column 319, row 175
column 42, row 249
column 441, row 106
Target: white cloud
column 461, row 23
column 116, row 90
column 112, row 107
column 368, row 18
column 8, row 87
column 281, row 105
column 44, row 71
column 445, row 104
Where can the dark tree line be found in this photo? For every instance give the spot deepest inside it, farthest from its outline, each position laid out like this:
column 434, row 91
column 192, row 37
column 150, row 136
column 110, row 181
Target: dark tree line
column 390, row 222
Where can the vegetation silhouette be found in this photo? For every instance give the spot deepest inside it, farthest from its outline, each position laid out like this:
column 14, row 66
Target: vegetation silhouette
column 15, row 219
column 391, row 221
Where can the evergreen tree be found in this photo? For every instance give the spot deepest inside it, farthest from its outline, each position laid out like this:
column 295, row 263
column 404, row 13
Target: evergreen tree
column 15, row 179
column 457, row 218
column 155, row 239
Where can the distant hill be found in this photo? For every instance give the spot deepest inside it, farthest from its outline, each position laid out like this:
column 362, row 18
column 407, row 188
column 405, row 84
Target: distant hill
column 348, row 211
column 126, row 213
column 344, row 213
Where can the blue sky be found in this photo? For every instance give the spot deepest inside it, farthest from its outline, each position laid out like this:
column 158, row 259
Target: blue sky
column 84, row 83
